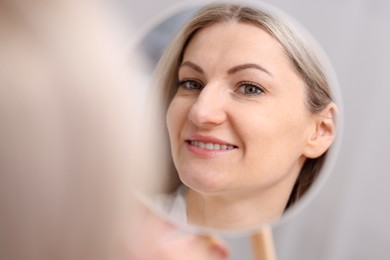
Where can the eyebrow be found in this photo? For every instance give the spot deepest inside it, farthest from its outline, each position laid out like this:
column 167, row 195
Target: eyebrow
column 192, row 65
column 233, row 70
column 248, row 66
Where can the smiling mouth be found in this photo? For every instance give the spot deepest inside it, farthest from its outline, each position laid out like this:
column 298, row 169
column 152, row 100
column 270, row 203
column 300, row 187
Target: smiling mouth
column 211, row 146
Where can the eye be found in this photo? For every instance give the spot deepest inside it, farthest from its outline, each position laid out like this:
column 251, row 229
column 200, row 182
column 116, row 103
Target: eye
column 251, row 89
column 191, row 84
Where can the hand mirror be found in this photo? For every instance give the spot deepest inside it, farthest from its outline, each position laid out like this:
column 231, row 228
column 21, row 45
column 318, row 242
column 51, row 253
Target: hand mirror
column 250, row 110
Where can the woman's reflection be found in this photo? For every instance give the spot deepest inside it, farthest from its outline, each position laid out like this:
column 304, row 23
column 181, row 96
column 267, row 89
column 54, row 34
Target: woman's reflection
column 250, row 116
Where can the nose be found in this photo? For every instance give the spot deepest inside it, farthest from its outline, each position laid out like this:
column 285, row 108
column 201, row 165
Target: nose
column 209, row 109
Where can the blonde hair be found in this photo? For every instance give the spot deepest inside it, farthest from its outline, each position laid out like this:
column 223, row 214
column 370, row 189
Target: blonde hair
column 297, row 48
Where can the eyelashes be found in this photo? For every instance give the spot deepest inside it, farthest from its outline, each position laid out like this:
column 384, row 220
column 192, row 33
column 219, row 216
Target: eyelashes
column 246, row 88
column 250, row 88
column 190, row 84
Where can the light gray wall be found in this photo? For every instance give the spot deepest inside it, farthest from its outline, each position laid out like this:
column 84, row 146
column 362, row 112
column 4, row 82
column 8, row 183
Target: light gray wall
column 348, row 219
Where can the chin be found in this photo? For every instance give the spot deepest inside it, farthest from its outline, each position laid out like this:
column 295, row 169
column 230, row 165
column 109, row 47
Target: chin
column 202, row 184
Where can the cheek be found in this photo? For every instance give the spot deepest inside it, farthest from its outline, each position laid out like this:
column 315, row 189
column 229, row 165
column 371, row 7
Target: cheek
column 273, row 133
column 175, row 118
column 170, row 119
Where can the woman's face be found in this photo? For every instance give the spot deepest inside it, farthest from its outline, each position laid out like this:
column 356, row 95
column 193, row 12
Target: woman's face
column 238, row 122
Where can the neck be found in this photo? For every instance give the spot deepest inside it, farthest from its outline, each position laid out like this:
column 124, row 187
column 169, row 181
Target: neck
column 237, row 210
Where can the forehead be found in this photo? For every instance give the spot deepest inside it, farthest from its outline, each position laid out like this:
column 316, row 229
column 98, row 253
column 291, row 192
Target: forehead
column 237, row 42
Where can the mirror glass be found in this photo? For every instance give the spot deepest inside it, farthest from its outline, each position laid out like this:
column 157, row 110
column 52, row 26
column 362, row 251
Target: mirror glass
column 248, row 110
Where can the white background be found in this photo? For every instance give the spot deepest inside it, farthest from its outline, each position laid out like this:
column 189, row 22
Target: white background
column 348, row 219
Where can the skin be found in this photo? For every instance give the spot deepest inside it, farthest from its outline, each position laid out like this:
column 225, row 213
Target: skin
column 238, row 88
column 152, row 237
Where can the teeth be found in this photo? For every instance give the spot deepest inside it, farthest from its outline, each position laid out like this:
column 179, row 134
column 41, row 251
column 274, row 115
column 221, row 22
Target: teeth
column 211, row 146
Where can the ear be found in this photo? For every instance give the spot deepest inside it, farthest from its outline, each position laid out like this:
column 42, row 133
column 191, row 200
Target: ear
column 324, row 133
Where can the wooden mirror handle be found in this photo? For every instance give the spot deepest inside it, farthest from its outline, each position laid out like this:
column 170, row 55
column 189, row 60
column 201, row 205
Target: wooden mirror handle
column 263, row 244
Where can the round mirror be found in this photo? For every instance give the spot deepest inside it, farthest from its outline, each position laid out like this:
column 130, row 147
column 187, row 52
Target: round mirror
column 249, row 111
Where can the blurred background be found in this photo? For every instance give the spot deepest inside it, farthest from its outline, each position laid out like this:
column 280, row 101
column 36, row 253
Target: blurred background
column 348, row 218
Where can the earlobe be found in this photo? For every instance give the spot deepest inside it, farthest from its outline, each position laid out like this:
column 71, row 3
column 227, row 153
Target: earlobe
column 323, row 136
